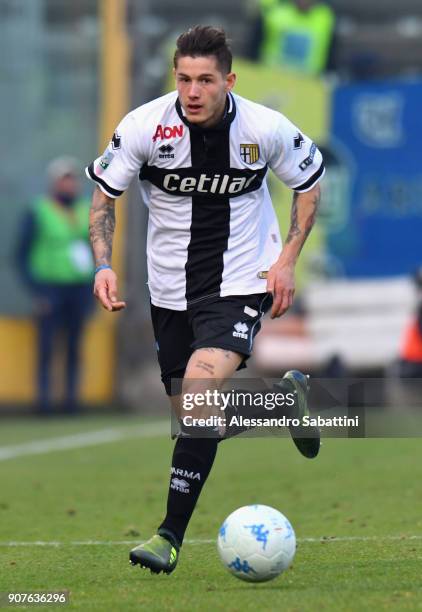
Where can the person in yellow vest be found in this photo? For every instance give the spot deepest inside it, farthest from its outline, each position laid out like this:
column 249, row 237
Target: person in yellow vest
column 55, row 261
column 296, row 35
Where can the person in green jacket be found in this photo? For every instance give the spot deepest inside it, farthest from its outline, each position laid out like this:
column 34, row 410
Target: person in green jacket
column 55, row 262
column 296, row 35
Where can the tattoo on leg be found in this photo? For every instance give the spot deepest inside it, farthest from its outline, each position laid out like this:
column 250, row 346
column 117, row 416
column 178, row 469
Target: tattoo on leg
column 227, row 354
column 208, row 367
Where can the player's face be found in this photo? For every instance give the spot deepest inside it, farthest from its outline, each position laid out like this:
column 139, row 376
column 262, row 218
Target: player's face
column 202, row 89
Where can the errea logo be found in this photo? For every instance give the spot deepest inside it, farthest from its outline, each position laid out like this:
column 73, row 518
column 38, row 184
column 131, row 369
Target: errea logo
column 116, row 140
column 298, row 141
column 166, row 132
column 241, row 331
column 178, row 484
column 166, row 152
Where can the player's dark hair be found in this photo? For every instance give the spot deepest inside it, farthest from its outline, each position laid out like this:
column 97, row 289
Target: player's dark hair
column 202, row 41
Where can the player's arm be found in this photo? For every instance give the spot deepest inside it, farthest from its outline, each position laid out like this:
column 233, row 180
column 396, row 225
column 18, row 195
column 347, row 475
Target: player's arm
column 102, row 222
column 281, row 276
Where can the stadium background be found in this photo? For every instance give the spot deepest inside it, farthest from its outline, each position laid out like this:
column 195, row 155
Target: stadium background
column 78, row 492
column 71, row 70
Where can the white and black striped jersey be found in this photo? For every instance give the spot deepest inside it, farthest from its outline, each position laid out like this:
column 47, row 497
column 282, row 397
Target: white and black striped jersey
column 212, row 226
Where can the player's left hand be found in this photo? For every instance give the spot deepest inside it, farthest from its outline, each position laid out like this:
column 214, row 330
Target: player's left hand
column 281, row 283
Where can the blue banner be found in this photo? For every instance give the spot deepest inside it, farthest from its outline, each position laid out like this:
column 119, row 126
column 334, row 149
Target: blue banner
column 373, row 191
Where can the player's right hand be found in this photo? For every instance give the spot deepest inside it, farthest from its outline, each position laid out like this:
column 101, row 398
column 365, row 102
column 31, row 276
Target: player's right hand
column 281, row 283
column 105, row 290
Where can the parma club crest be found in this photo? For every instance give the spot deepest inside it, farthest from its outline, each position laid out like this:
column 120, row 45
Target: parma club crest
column 249, row 153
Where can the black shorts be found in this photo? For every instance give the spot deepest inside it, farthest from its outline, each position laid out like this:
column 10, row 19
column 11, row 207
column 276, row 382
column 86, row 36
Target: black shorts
column 229, row 323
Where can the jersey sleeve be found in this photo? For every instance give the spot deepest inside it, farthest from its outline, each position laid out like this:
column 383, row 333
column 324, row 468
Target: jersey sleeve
column 121, row 160
column 294, row 158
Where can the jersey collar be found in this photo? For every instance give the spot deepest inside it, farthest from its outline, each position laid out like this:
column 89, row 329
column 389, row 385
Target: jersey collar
column 225, row 122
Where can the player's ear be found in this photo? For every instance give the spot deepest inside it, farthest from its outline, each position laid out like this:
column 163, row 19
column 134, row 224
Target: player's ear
column 230, row 81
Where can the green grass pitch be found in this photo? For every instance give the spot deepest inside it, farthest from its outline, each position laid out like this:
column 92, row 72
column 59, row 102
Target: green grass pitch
column 356, row 511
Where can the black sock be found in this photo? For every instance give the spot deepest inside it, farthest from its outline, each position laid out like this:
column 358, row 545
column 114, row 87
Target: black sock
column 191, row 464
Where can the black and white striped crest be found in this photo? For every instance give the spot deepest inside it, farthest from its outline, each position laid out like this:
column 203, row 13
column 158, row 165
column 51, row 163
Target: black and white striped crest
column 249, row 153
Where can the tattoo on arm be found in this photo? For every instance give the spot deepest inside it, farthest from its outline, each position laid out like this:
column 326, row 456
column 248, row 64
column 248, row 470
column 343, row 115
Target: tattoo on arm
column 295, row 229
column 311, row 219
column 102, row 222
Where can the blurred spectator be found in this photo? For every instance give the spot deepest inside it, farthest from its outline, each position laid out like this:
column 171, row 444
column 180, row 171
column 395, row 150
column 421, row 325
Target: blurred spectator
column 55, row 262
column 295, row 34
column 410, row 363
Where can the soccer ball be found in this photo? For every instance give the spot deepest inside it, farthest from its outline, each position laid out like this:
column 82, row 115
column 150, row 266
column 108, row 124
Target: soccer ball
column 256, row 543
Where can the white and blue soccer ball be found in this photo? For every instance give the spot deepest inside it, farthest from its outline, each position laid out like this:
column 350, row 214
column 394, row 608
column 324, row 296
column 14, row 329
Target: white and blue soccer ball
column 256, row 543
